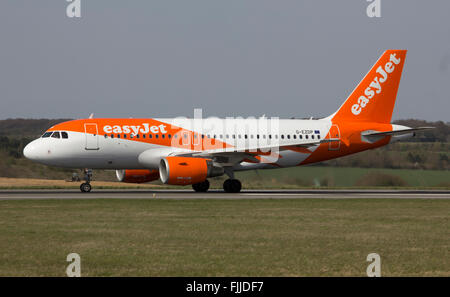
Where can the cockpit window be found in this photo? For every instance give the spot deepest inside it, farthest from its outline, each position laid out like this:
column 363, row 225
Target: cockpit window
column 64, row 135
column 46, row 134
column 55, row 135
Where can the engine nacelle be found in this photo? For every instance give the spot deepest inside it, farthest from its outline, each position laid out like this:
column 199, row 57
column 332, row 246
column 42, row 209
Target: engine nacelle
column 137, row 176
column 187, row 170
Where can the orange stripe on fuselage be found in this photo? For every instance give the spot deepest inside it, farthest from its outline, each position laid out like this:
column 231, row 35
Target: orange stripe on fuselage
column 159, row 131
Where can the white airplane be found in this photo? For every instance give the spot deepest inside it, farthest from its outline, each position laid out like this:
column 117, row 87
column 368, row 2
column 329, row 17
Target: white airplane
column 188, row 151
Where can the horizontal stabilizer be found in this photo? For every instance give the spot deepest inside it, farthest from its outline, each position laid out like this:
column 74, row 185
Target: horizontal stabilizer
column 395, row 132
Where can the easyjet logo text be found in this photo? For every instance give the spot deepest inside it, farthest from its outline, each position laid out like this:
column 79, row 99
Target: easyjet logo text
column 375, row 85
column 144, row 129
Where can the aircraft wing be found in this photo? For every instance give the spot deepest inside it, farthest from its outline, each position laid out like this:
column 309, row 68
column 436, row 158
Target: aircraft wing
column 232, row 155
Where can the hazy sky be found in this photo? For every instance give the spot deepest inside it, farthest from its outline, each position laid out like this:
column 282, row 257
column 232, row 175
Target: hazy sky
column 230, row 57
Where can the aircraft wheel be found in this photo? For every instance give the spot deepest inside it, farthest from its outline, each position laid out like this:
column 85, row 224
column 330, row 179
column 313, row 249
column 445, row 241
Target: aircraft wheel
column 201, row 187
column 85, row 187
column 232, row 186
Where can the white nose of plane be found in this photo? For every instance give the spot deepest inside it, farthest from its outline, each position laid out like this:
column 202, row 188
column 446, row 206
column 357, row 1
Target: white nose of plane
column 31, row 151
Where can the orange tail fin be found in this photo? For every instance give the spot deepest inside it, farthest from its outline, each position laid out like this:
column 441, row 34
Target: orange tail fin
column 373, row 99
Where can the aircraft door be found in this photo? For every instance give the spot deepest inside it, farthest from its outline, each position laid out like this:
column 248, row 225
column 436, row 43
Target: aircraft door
column 91, row 134
column 334, row 134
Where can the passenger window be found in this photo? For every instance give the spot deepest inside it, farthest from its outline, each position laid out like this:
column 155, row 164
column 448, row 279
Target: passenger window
column 294, row 136
column 318, row 136
column 118, row 135
column 156, row 135
column 312, row 136
column 306, row 136
column 150, row 136
column 282, row 136
column 64, row 135
column 112, row 135
column 137, row 136
column 289, row 136
column 55, row 135
column 124, row 136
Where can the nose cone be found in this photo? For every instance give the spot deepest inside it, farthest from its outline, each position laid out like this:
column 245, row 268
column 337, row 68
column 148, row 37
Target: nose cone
column 41, row 151
column 30, row 151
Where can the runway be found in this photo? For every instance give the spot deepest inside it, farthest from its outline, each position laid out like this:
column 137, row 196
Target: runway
column 217, row 194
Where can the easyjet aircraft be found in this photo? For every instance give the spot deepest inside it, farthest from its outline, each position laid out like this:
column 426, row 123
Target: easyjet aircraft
column 189, row 151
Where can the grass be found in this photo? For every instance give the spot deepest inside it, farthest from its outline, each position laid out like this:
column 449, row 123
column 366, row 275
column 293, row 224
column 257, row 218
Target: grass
column 342, row 176
column 285, row 178
column 30, row 183
column 274, row 237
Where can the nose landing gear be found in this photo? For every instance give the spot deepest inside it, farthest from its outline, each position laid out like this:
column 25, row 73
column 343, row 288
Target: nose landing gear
column 86, row 186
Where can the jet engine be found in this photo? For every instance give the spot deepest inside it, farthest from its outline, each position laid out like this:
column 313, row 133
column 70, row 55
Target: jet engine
column 187, row 170
column 137, row 176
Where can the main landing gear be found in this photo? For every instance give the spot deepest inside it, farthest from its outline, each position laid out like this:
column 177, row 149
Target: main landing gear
column 232, row 185
column 201, row 187
column 86, row 186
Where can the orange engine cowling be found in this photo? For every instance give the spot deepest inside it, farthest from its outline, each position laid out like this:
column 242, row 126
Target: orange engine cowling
column 187, row 170
column 137, row 176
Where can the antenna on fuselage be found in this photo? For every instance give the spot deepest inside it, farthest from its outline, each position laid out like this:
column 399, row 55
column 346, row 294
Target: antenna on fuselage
column 91, row 116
